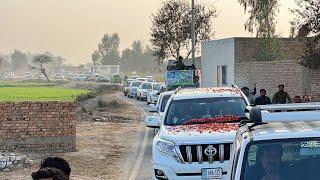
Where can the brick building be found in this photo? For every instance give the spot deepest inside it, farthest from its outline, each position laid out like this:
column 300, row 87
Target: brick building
column 236, row 60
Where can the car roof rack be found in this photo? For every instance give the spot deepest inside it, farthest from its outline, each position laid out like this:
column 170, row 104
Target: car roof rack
column 284, row 113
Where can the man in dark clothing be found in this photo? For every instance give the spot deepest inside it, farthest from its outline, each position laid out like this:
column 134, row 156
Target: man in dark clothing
column 263, row 99
column 179, row 64
column 196, row 81
column 281, row 97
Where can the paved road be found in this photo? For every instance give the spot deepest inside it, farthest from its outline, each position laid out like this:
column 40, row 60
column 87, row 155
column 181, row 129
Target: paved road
column 140, row 166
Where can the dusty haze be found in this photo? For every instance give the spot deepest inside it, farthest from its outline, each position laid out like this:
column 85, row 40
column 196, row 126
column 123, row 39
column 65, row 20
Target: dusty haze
column 73, row 28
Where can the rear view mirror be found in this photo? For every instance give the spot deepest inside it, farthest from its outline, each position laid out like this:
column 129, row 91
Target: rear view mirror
column 153, row 108
column 152, row 122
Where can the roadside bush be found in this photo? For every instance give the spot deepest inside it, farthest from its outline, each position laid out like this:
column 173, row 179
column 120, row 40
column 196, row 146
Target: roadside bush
column 109, row 105
column 84, row 97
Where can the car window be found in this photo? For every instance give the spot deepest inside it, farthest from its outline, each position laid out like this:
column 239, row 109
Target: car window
column 289, row 159
column 146, row 86
column 182, row 111
column 156, row 87
column 164, row 102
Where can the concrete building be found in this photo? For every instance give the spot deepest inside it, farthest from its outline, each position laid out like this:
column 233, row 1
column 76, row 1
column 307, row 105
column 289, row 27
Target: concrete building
column 236, row 60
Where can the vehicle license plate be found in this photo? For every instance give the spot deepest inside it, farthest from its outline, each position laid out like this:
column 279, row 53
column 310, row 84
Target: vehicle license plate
column 215, row 173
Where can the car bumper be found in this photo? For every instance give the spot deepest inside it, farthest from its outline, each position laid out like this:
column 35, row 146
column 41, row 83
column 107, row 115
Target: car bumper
column 176, row 170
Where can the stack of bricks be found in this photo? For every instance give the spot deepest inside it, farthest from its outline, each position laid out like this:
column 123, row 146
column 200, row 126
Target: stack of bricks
column 38, row 126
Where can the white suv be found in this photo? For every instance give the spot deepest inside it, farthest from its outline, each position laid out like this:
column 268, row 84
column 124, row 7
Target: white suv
column 279, row 142
column 152, row 96
column 196, row 133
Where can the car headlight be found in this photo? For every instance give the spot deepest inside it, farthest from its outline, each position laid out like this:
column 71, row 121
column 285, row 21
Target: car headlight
column 167, row 147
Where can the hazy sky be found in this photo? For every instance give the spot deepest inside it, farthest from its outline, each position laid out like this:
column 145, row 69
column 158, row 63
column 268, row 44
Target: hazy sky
column 73, row 28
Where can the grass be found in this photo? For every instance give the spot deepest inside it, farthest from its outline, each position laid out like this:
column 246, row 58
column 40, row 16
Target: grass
column 17, row 92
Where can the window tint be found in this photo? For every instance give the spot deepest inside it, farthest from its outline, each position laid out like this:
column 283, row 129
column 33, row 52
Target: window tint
column 287, row 160
column 146, row 86
column 181, row 111
column 164, row 102
column 156, row 87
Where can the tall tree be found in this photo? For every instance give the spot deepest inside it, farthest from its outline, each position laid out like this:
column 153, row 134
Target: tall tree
column 261, row 16
column 96, row 57
column 108, row 49
column 41, row 60
column 19, row 61
column 171, row 28
column 307, row 21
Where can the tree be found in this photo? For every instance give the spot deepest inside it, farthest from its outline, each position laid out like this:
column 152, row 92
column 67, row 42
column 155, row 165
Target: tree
column 262, row 16
column 307, row 21
column 42, row 60
column 171, row 28
column 137, row 55
column 108, row 50
column 96, row 57
column 19, row 61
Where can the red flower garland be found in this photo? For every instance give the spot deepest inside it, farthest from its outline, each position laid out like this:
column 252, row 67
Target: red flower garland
column 219, row 119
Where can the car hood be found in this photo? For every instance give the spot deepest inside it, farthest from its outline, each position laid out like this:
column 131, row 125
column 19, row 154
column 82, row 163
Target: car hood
column 133, row 88
column 197, row 133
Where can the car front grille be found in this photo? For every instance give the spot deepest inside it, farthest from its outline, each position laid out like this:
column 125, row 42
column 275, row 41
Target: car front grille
column 205, row 153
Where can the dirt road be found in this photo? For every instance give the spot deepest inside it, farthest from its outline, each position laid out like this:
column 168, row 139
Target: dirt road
column 106, row 149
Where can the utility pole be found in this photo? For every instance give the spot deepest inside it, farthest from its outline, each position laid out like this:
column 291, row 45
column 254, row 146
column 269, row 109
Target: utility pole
column 193, row 33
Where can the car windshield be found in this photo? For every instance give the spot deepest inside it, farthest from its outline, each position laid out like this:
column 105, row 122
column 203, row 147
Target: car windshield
column 136, row 84
column 156, row 87
column 182, row 111
column 146, row 86
column 165, row 99
column 289, row 159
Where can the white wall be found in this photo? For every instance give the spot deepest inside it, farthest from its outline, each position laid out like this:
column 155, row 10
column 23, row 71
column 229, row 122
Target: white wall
column 217, row 53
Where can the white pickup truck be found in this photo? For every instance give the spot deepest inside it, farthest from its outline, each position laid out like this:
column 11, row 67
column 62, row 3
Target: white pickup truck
column 196, row 133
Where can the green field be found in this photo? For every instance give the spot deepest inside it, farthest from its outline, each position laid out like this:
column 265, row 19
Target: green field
column 37, row 92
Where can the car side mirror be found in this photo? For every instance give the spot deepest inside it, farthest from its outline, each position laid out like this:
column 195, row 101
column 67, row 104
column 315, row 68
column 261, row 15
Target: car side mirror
column 152, row 122
column 158, row 93
column 153, row 108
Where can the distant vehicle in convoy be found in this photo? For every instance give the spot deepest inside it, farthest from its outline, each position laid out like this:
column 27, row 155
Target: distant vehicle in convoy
column 143, row 90
column 152, row 96
column 281, row 141
column 134, row 77
column 161, row 103
column 127, row 86
column 115, row 79
column 133, row 87
column 81, row 77
column 59, row 77
column 196, row 133
column 29, row 76
column 42, row 77
column 142, row 79
column 101, row 78
column 10, row 75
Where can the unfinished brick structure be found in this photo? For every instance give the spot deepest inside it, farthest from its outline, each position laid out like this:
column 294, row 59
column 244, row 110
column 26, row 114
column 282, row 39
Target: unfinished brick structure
column 236, row 60
column 38, row 126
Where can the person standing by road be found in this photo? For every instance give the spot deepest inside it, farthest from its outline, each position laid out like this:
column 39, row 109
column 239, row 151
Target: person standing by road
column 281, row 97
column 246, row 91
column 263, row 99
column 196, row 81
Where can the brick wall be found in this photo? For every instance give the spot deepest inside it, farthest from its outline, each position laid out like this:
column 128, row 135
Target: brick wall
column 246, row 49
column 38, row 126
column 269, row 75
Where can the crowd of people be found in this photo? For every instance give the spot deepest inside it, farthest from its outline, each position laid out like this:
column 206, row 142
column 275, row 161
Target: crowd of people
column 53, row 168
column 280, row 97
